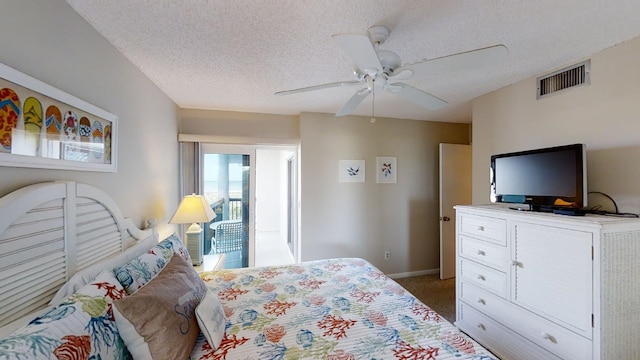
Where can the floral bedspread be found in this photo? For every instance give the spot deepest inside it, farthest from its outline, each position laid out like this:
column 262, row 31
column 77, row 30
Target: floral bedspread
column 328, row 309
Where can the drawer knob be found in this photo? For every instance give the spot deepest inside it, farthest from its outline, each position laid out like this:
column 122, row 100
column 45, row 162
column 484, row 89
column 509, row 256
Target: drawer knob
column 480, row 228
column 516, row 263
column 549, row 337
column 481, row 326
column 481, row 277
column 482, row 301
column 481, row 252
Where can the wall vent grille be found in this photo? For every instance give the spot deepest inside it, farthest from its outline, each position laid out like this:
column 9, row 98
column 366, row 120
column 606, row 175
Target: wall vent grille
column 567, row 78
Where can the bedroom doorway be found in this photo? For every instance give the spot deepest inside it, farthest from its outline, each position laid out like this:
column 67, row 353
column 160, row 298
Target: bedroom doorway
column 253, row 188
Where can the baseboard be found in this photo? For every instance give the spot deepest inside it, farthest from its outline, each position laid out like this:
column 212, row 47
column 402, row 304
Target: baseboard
column 414, row 273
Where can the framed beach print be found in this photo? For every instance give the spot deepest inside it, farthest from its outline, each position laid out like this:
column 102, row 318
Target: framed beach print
column 386, row 170
column 45, row 127
column 351, row 170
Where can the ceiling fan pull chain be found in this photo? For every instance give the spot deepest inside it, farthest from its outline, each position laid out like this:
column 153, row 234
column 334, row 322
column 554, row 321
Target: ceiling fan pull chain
column 373, row 102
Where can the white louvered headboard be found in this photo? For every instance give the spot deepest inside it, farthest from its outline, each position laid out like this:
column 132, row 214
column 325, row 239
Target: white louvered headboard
column 49, row 231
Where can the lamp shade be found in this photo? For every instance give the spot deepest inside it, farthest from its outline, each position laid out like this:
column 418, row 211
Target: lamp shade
column 193, row 209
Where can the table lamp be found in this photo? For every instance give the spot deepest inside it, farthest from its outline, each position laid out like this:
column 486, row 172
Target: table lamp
column 193, row 209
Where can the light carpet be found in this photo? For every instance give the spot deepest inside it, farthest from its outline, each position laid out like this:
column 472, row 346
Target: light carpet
column 440, row 295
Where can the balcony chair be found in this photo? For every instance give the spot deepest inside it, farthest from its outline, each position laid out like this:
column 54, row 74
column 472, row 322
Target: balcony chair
column 227, row 236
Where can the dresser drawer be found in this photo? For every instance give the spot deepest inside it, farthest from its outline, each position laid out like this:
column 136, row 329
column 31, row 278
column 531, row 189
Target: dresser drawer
column 546, row 334
column 482, row 300
column 542, row 332
column 487, row 228
column 483, row 252
column 485, row 277
column 498, row 339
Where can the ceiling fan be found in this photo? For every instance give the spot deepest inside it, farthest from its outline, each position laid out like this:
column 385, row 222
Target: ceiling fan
column 382, row 69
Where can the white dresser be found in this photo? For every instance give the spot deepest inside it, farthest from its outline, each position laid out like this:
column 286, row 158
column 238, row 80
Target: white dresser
column 545, row 286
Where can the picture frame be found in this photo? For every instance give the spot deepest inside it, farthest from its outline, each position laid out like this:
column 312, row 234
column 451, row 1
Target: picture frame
column 386, row 170
column 351, row 171
column 44, row 127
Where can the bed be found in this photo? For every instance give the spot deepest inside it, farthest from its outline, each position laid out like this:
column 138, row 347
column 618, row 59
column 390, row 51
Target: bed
column 79, row 281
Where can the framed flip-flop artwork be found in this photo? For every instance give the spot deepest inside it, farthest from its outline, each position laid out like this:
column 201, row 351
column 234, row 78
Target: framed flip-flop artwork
column 44, row 127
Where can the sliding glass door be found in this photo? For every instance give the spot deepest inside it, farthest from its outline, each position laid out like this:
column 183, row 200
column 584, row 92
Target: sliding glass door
column 228, row 184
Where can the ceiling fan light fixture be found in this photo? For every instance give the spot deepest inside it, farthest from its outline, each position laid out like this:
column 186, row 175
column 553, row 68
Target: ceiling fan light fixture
column 371, row 71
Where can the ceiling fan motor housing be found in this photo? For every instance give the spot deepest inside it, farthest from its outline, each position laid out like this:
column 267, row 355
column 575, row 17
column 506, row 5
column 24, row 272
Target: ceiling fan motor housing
column 390, row 61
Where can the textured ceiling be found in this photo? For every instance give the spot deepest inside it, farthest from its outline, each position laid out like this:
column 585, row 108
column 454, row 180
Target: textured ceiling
column 234, row 55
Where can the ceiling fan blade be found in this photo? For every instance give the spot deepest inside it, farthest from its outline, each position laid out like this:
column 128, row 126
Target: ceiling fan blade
column 402, row 74
column 417, row 96
column 470, row 60
column 360, row 50
column 353, row 103
column 318, row 87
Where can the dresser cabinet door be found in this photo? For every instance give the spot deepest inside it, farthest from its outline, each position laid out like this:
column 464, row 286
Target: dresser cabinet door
column 553, row 274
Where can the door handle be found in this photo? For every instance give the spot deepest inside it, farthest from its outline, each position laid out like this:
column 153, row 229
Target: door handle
column 445, row 218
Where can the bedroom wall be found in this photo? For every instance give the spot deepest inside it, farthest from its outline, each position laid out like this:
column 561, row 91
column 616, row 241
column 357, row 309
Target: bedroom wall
column 604, row 116
column 366, row 219
column 49, row 41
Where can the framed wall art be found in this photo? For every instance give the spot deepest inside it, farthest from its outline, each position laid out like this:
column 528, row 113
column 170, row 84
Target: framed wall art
column 386, row 170
column 44, row 127
column 351, row 170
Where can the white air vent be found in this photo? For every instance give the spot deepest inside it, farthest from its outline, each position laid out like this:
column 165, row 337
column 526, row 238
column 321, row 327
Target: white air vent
column 570, row 77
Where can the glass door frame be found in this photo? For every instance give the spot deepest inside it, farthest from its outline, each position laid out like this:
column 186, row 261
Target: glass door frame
column 209, row 148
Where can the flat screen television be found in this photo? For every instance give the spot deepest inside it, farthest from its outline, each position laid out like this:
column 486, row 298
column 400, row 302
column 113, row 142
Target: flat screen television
column 547, row 179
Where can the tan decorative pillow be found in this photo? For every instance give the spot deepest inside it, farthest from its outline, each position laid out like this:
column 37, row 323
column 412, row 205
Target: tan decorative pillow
column 158, row 321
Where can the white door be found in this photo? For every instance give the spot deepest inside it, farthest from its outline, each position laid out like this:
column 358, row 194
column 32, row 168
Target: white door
column 229, row 184
column 455, row 189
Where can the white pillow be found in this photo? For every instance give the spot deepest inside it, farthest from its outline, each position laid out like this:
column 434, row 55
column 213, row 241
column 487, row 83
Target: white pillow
column 211, row 319
column 86, row 275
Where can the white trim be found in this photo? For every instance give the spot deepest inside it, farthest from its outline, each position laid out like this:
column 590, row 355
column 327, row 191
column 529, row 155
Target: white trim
column 414, row 273
column 237, row 140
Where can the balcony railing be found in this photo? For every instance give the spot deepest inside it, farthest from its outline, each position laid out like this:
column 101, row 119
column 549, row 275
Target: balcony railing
column 233, row 210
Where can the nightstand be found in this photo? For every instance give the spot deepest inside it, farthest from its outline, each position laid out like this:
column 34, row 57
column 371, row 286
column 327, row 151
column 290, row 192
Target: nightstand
column 210, row 262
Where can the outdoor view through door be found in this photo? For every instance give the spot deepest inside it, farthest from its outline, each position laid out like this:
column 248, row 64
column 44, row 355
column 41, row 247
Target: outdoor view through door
column 253, row 191
column 226, row 186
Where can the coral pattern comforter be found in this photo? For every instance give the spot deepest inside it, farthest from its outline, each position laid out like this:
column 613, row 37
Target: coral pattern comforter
column 328, row 309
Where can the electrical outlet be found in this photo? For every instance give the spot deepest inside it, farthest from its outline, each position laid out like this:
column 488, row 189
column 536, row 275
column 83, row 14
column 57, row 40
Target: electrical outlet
column 386, row 255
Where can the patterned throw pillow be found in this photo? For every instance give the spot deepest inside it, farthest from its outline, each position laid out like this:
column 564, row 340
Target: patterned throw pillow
column 158, row 321
column 81, row 327
column 211, row 319
column 142, row 269
column 178, row 247
column 84, row 276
